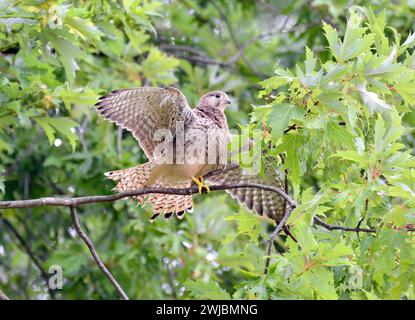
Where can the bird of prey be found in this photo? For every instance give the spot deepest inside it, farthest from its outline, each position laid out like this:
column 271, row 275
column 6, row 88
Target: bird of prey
column 182, row 145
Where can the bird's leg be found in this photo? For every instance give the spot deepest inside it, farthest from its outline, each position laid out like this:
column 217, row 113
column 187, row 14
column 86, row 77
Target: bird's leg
column 200, row 182
column 204, row 185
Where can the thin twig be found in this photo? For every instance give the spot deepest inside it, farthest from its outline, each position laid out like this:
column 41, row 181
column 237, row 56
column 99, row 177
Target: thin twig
column 317, row 220
column 292, row 127
column 3, row 296
column 331, row 227
column 26, row 195
column 288, row 232
column 30, row 253
column 281, row 225
column 274, row 235
column 203, row 59
column 358, row 226
column 171, row 277
column 94, row 253
column 197, row 55
column 286, row 228
column 179, row 47
column 235, row 41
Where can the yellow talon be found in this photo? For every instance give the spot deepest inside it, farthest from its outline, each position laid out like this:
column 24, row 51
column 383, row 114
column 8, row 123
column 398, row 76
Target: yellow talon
column 200, row 182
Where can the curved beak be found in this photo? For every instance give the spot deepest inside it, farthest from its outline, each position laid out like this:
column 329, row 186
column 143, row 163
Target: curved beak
column 228, row 101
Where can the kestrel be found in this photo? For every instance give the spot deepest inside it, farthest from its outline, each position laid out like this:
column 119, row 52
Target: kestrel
column 182, row 145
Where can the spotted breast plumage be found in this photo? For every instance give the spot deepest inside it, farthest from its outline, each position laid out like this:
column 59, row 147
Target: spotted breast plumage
column 182, row 145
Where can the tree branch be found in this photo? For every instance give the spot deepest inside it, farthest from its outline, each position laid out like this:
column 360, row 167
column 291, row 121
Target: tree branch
column 331, row 227
column 192, row 54
column 318, row 221
column 3, row 296
column 31, row 255
column 274, row 235
column 199, row 56
column 76, row 201
column 184, row 48
column 94, row 253
column 241, row 50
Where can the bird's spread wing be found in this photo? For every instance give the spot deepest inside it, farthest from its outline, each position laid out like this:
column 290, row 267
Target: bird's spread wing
column 145, row 110
column 263, row 202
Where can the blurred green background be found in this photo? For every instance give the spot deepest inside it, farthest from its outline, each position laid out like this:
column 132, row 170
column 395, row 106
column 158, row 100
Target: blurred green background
column 58, row 57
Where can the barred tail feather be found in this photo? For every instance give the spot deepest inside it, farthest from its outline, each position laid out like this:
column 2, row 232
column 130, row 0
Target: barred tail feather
column 132, row 179
column 166, row 204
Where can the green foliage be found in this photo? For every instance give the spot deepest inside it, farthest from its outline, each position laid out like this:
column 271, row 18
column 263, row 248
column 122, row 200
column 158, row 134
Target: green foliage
column 353, row 154
column 342, row 118
column 203, row 290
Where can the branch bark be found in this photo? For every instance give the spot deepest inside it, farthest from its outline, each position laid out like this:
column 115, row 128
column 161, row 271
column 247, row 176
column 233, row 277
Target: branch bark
column 77, row 201
column 331, row 227
column 281, row 225
column 94, row 253
column 274, row 235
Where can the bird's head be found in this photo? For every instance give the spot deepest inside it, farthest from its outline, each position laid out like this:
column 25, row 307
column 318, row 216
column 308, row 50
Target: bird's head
column 215, row 99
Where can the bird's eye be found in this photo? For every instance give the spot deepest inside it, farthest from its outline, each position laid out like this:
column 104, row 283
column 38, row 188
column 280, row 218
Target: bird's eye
column 217, row 96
